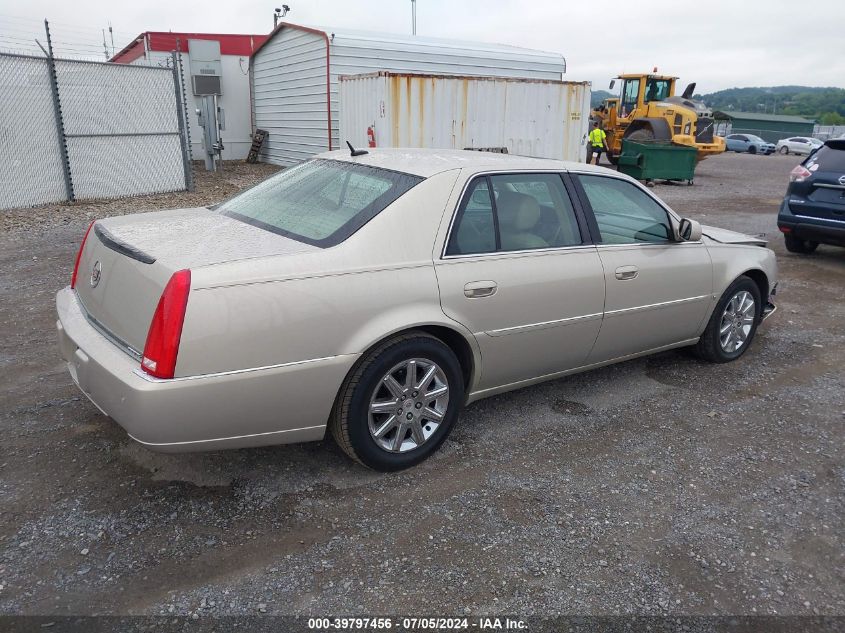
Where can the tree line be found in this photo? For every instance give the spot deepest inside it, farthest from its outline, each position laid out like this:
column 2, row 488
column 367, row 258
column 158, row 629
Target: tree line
column 825, row 105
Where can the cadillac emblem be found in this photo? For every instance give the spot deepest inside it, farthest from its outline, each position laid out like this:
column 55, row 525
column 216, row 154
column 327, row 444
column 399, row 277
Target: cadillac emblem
column 95, row 273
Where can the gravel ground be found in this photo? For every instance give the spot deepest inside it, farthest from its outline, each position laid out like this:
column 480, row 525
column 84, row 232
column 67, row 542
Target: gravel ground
column 209, row 187
column 657, row 486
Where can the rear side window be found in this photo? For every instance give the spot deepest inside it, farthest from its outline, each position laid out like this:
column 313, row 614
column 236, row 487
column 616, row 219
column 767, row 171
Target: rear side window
column 319, row 202
column 828, row 159
column 475, row 229
column 534, row 211
column 624, row 213
column 514, row 212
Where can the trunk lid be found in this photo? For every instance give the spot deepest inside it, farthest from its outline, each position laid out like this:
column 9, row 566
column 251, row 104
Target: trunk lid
column 135, row 255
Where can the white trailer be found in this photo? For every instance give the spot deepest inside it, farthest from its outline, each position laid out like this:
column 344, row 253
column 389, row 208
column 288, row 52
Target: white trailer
column 530, row 117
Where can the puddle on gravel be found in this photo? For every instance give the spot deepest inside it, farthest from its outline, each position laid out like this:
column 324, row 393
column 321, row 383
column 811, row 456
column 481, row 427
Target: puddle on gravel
column 273, row 470
column 190, row 468
column 570, row 407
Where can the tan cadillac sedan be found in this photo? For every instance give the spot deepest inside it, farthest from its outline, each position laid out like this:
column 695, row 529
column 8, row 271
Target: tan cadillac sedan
column 375, row 295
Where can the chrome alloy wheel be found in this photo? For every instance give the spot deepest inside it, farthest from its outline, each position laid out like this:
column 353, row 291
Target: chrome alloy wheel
column 408, row 405
column 737, row 320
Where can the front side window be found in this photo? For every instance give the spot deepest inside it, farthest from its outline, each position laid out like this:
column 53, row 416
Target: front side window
column 625, row 214
column 514, row 212
column 319, row 202
column 630, row 94
column 657, row 89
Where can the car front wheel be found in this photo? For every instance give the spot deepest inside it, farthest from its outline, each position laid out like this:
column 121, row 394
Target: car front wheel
column 784, row 150
column 400, row 403
column 733, row 323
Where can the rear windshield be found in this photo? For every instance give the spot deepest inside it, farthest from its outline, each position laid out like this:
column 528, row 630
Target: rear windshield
column 319, row 202
column 828, row 158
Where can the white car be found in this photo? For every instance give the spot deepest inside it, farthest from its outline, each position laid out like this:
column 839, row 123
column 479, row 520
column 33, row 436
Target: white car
column 798, row 145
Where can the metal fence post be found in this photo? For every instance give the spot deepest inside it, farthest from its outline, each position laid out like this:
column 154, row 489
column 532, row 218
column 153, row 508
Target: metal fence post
column 182, row 115
column 57, row 109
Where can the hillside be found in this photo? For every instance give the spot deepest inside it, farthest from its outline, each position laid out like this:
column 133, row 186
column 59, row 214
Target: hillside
column 825, row 105
column 598, row 96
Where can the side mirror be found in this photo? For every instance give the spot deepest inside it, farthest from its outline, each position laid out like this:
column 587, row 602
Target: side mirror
column 689, row 230
column 612, row 83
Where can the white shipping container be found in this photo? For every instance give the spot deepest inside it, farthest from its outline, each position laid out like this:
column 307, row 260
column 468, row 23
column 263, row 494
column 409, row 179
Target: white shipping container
column 529, row 117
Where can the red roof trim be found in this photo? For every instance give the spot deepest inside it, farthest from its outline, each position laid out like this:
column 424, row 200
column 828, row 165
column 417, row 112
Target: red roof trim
column 299, row 27
column 165, row 41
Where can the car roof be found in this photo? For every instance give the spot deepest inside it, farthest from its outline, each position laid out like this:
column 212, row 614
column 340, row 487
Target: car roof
column 428, row 162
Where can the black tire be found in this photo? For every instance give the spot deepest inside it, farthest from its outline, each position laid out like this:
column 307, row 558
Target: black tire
column 795, row 245
column 643, row 134
column 784, row 150
column 349, row 422
column 752, row 150
column 709, row 346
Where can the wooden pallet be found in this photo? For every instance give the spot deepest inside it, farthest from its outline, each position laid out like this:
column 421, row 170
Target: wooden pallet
column 257, row 142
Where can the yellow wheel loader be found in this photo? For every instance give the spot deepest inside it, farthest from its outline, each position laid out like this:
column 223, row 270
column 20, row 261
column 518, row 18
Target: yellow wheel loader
column 647, row 109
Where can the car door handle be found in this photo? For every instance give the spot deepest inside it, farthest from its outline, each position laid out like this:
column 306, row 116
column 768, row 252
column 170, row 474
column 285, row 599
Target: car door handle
column 627, row 272
column 478, row 289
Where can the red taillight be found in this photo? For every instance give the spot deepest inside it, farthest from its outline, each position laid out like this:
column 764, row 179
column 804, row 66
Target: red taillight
column 165, row 332
column 79, row 257
column 785, row 229
column 799, row 174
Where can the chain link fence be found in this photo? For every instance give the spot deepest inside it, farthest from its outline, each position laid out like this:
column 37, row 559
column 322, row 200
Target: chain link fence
column 74, row 130
column 825, row 132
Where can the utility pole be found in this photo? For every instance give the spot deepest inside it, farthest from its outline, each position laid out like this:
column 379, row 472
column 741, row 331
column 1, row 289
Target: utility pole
column 413, row 17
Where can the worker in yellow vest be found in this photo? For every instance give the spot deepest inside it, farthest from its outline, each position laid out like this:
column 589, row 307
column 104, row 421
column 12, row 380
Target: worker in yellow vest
column 597, row 143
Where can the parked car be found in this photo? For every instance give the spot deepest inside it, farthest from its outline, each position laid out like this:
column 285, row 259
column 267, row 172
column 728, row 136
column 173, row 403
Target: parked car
column 798, row 145
column 813, row 209
column 748, row 143
column 375, row 295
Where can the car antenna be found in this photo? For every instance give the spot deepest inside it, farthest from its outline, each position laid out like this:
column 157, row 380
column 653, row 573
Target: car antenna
column 356, row 152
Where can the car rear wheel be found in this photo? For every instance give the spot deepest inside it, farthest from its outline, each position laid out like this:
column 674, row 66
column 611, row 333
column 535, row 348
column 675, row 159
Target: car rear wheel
column 733, row 323
column 795, row 245
column 784, row 150
column 400, row 403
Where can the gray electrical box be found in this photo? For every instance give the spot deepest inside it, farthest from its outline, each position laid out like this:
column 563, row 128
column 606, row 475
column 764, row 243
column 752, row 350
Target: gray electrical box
column 206, row 69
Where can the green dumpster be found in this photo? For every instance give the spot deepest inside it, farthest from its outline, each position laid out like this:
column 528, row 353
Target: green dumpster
column 652, row 160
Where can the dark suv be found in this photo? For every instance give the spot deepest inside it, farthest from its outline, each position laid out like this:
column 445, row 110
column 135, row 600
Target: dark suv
column 813, row 210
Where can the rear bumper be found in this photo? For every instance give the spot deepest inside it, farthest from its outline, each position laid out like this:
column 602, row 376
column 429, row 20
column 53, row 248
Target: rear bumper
column 809, row 228
column 271, row 405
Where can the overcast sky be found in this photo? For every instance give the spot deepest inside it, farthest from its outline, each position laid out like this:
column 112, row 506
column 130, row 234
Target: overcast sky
column 719, row 43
